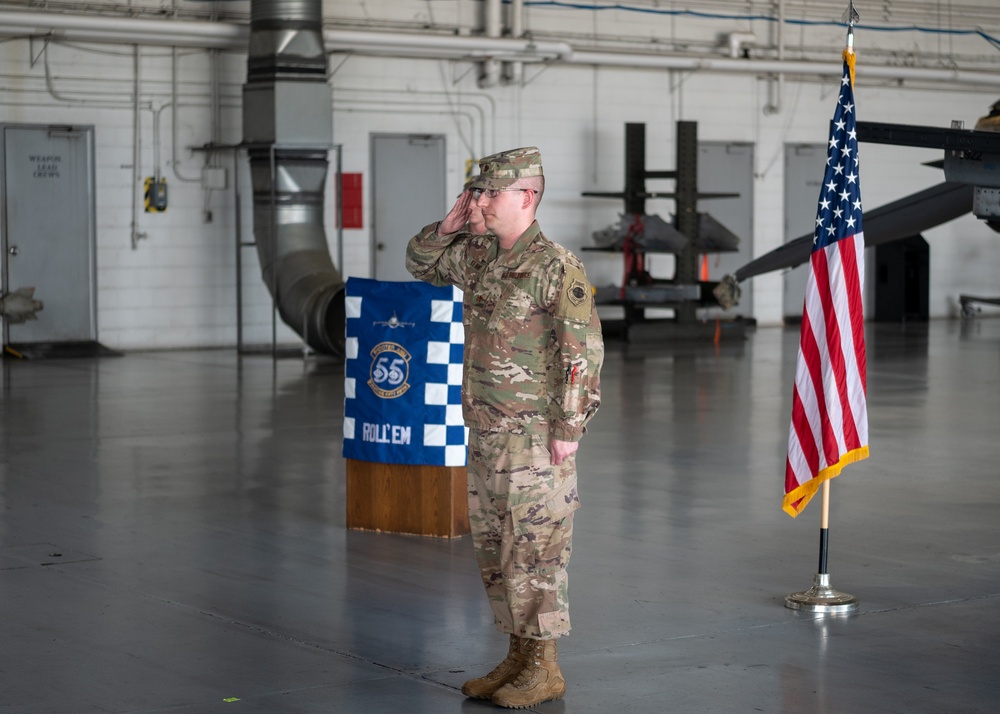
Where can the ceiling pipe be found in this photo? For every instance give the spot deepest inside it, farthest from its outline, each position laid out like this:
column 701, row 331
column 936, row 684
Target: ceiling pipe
column 776, row 87
column 514, row 71
column 492, row 24
column 448, row 46
column 763, row 67
column 387, row 44
column 95, row 28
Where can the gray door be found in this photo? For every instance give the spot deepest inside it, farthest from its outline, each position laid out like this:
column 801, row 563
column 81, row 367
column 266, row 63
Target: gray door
column 408, row 192
column 727, row 167
column 804, row 167
column 48, row 230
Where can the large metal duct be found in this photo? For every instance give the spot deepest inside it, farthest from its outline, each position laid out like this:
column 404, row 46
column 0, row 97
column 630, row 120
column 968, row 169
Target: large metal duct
column 288, row 130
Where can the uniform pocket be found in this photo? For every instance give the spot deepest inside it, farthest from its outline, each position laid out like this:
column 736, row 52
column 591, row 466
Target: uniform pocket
column 512, row 310
column 595, row 358
column 563, row 500
column 543, row 529
column 595, row 354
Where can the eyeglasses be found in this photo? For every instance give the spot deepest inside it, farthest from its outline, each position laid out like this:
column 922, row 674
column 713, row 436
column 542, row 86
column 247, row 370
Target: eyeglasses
column 493, row 192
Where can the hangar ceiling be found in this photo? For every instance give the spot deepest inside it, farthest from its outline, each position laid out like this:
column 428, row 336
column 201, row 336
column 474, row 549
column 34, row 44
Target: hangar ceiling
column 942, row 14
column 898, row 12
column 960, row 35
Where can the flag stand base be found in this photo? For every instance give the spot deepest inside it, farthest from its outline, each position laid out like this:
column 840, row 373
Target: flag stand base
column 822, row 598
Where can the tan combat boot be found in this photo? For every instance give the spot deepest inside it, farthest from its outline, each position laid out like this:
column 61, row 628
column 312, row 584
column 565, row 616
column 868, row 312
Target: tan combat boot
column 484, row 687
column 539, row 681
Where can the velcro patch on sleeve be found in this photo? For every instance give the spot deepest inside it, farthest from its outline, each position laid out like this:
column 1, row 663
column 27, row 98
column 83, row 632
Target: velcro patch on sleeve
column 576, row 297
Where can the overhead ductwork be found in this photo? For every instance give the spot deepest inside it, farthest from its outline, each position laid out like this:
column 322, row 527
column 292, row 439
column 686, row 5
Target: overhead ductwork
column 288, row 130
column 187, row 33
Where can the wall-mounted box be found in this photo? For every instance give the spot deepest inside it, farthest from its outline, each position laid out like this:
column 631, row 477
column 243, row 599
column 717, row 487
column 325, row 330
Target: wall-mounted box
column 351, row 208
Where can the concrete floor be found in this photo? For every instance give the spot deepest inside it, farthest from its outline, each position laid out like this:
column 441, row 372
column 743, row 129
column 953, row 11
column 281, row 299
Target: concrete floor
column 172, row 536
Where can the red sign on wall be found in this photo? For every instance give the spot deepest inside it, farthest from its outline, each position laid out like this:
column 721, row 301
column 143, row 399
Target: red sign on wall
column 351, row 210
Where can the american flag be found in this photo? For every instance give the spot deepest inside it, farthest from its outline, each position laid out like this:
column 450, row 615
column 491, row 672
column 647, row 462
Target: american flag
column 829, row 410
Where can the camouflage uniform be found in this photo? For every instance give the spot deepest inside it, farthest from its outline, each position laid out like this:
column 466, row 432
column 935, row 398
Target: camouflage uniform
column 533, row 353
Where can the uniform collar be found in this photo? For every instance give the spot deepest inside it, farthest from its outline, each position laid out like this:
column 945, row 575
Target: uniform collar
column 526, row 239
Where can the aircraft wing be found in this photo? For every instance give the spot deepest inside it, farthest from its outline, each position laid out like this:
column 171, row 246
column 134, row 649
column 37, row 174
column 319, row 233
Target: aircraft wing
column 900, row 219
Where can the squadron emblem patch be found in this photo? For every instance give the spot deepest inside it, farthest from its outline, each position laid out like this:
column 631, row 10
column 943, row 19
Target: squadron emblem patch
column 575, row 302
column 577, row 292
column 390, row 370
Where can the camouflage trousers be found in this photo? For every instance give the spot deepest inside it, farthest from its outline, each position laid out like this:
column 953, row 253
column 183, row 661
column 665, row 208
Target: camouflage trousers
column 521, row 513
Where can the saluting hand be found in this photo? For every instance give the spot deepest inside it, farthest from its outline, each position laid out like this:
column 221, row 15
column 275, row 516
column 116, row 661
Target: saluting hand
column 458, row 216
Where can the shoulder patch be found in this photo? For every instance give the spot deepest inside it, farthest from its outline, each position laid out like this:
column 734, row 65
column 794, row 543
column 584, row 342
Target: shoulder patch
column 574, row 302
column 577, row 292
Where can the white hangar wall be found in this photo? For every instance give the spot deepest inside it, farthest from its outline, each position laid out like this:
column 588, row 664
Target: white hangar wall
column 577, row 117
column 177, row 287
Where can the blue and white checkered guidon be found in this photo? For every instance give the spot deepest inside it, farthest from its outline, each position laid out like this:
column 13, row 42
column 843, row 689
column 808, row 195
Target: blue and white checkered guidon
column 403, row 374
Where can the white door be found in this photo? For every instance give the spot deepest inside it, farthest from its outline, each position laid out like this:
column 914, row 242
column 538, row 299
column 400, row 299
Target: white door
column 48, row 231
column 408, row 192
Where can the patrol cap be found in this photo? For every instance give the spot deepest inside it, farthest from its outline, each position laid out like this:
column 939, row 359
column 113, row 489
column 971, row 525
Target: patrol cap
column 468, row 184
column 503, row 169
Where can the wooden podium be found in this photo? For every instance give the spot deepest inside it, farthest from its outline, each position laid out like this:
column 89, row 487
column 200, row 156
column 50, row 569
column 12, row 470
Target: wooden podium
column 398, row 498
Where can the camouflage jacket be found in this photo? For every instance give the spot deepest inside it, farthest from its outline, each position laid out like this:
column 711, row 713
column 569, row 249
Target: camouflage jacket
column 533, row 345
